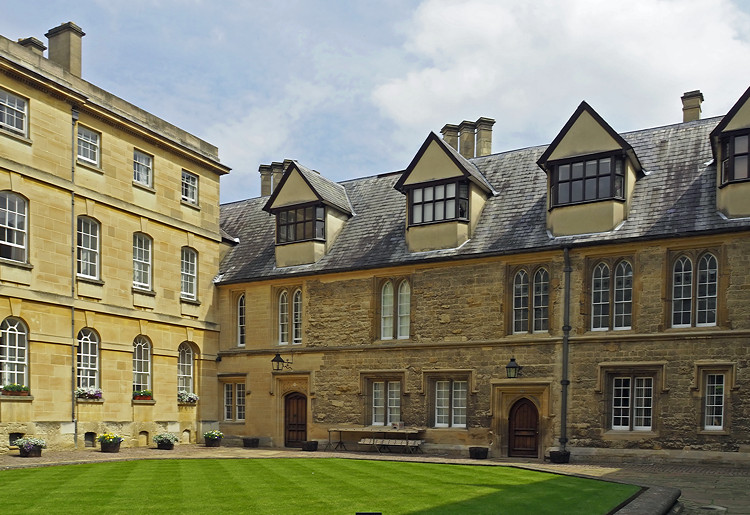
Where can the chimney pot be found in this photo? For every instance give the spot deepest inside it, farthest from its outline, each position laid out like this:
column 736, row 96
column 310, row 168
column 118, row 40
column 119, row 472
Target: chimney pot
column 34, row 45
column 467, row 136
column 65, row 47
column 691, row 105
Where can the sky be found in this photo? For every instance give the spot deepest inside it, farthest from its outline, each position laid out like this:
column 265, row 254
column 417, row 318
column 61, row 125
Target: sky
column 352, row 88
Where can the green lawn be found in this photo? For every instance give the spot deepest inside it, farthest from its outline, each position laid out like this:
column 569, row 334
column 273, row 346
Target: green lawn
column 297, row 486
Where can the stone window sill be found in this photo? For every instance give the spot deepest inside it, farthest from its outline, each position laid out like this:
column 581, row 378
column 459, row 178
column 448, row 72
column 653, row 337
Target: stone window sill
column 143, row 402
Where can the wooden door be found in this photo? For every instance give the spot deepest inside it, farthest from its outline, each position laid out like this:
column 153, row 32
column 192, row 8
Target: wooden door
column 295, row 420
column 523, row 426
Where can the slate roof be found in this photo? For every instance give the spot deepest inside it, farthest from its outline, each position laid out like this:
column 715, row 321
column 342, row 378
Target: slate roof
column 329, row 192
column 676, row 197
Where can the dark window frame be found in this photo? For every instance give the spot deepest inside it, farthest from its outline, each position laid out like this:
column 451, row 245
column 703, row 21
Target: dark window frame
column 564, row 178
column 729, row 156
column 310, row 227
column 418, row 200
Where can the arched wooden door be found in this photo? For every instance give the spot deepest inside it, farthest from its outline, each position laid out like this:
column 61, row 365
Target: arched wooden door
column 295, row 420
column 523, row 428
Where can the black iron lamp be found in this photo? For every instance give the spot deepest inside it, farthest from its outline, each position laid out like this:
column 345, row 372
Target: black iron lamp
column 278, row 363
column 513, row 369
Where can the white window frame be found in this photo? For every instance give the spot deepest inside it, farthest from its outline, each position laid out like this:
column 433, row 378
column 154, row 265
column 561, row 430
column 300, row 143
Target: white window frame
column 600, row 278
column 14, row 345
column 141, row 363
column 451, row 399
column 87, row 359
column 185, row 368
column 386, row 402
column 682, row 291
column 403, row 311
column 89, row 146
column 188, row 273
column 706, row 294
column 189, row 189
column 632, row 403
column 88, row 243
column 386, row 311
column 13, row 212
column 623, row 296
column 714, row 402
column 540, row 305
column 14, row 113
column 297, row 317
column 284, row 318
column 521, row 302
column 143, row 168
column 241, row 321
column 234, row 402
column 142, row 260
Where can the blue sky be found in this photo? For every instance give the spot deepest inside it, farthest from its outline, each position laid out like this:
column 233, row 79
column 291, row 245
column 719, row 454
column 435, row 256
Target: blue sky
column 352, row 88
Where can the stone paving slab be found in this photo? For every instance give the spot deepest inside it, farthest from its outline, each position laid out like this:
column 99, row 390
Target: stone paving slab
column 727, row 490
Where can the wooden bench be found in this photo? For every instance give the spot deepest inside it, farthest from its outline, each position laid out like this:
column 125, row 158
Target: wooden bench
column 385, row 444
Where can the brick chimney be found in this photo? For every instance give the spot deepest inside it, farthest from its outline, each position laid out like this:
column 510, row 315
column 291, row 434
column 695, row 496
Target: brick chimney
column 484, row 136
column 691, row 105
column 450, row 135
column 65, row 47
column 467, row 137
column 34, row 45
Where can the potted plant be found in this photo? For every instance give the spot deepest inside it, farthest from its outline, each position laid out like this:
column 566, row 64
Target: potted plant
column 187, row 397
column 213, row 438
column 15, row 389
column 88, row 393
column 142, row 395
column 30, row 447
column 110, row 442
column 165, row 441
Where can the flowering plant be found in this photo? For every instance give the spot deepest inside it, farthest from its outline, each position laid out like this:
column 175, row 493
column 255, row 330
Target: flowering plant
column 142, row 393
column 165, row 438
column 110, row 438
column 15, row 387
column 88, row 393
column 213, row 435
column 187, row 397
column 28, row 444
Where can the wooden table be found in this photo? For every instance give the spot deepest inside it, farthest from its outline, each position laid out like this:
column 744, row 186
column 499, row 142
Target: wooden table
column 379, row 437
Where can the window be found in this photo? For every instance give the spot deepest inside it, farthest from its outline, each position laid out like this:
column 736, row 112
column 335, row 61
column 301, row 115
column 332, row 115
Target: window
column 404, row 310
column 88, row 247
column 241, row 321
column 632, row 403
column 714, row 402
column 609, row 296
column 735, row 158
column 295, row 310
column 598, row 178
column 189, row 273
column 386, row 311
column 283, row 318
column 88, row 358
column 13, row 352
column 540, row 307
column 396, row 310
column 234, row 401
column 88, row 145
column 694, row 296
column 141, row 261
column 185, row 368
column 142, row 168
column 141, row 364
column 189, row 187
column 450, row 403
column 301, row 224
column 12, row 226
column 13, row 112
column 386, row 402
column 439, row 202
column 297, row 317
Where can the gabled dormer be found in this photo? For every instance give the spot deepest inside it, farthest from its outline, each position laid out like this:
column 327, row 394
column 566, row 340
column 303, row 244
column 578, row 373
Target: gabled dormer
column 591, row 172
column 730, row 143
column 445, row 195
column 310, row 212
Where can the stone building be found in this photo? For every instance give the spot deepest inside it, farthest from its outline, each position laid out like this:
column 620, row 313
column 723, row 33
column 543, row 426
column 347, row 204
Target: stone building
column 109, row 244
column 613, row 268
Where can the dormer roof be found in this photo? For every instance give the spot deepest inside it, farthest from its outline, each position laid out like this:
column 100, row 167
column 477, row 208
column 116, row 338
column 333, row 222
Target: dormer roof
column 301, row 185
column 437, row 160
column 737, row 118
column 586, row 133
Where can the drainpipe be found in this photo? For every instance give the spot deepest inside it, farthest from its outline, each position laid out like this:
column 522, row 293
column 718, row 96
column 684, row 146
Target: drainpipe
column 564, row 382
column 73, row 139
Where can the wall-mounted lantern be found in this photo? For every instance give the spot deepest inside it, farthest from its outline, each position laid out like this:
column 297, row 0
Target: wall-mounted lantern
column 278, row 363
column 513, row 369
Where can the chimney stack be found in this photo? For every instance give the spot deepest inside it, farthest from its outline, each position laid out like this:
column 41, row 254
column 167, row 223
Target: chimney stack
column 691, row 105
column 467, row 137
column 266, row 186
column 34, row 45
column 65, row 47
column 450, row 135
column 484, row 136
column 277, row 171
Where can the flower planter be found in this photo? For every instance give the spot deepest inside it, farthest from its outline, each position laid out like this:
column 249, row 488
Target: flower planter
column 167, row 446
column 143, row 397
column 478, row 453
column 110, row 446
column 34, row 452
column 559, row 456
column 310, row 445
column 250, row 442
column 213, row 442
column 17, row 394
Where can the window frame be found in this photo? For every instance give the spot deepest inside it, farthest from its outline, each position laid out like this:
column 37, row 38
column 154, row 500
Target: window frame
column 19, row 230
column 306, row 220
column 649, row 381
column 185, row 368
column 616, row 178
column 188, row 273
column 394, row 308
column 92, row 251
column 233, row 401
column 89, row 142
column 529, row 299
column 694, row 303
column 143, row 165
column 142, row 261
column 290, row 316
column 7, row 110
column 709, row 396
column 611, row 299
column 189, row 188
column 142, row 365
column 241, row 320
column 87, row 358
column 729, row 155
column 423, row 198
column 297, row 317
column 390, row 401
column 452, row 411
column 15, row 330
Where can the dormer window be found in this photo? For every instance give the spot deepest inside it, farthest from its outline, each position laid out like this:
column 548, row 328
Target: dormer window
column 735, row 153
column 439, row 202
column 586, row 180
column 300, row 224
